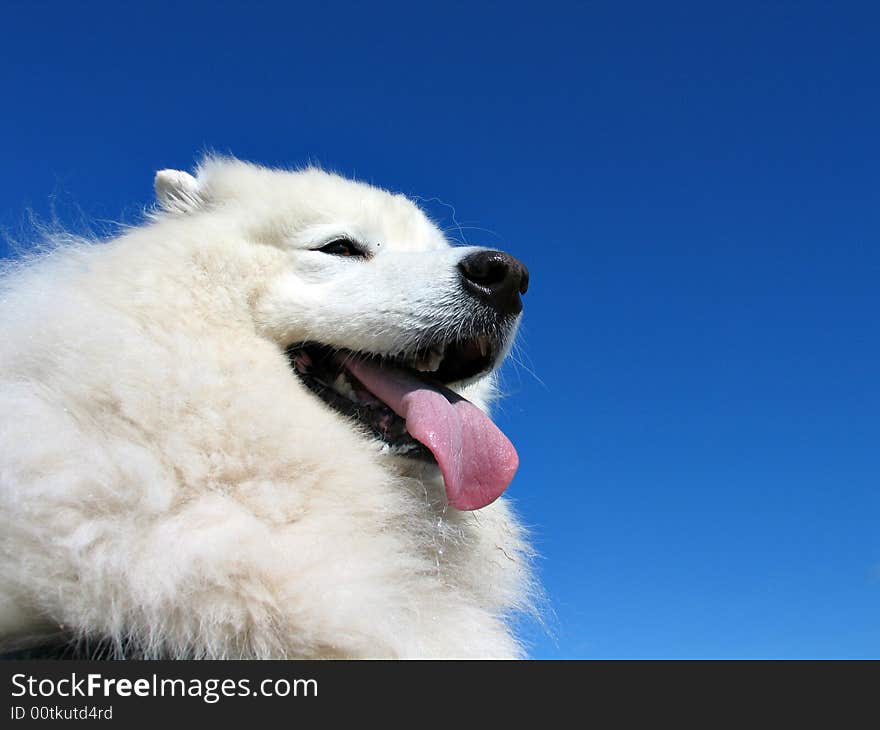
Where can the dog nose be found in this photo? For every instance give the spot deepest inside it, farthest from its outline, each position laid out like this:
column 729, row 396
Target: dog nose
column 497, row 278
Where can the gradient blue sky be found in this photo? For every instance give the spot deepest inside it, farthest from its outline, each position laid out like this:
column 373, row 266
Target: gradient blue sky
column 695, row 189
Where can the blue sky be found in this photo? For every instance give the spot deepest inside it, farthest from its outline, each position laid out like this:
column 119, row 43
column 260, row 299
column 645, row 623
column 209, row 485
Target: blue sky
column 694, row 188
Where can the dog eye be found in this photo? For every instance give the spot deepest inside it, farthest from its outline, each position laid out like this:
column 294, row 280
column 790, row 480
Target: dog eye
column 342, row 247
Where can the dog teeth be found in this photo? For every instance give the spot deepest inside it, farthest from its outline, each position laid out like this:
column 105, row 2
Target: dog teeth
column 343, row 387
column 430, row 362
column 483, row 344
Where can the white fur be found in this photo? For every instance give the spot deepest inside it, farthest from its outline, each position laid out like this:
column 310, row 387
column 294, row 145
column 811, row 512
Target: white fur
column 168, row 484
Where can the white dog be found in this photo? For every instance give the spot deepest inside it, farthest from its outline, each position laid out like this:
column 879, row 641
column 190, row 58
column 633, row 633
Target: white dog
column 222, row 430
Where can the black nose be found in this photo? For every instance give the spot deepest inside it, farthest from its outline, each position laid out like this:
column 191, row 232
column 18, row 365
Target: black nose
column 497, row 278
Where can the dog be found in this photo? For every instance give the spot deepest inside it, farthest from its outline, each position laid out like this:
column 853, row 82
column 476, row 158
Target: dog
column 255, row 427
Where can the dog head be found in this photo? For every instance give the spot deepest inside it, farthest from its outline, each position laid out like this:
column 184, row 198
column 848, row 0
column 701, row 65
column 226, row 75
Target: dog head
column 375, row 308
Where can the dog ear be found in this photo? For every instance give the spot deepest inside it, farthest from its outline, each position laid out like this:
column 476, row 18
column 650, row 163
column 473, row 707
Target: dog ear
column 177, row 191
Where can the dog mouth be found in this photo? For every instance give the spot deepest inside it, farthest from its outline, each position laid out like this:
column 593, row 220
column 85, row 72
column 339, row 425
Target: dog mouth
column 323, row 370
column 405, row 401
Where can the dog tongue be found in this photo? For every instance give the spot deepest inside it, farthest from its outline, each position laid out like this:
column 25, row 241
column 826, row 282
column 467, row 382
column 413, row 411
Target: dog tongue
column 476, row 459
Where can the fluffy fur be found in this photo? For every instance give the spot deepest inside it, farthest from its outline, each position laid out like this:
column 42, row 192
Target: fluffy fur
column 168, row 487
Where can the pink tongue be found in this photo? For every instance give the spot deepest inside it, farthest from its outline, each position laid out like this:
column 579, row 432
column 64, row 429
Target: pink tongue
column 476, row 459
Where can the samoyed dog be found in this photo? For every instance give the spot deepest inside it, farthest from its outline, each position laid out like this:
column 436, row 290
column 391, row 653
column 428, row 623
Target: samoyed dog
column 255, row 427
